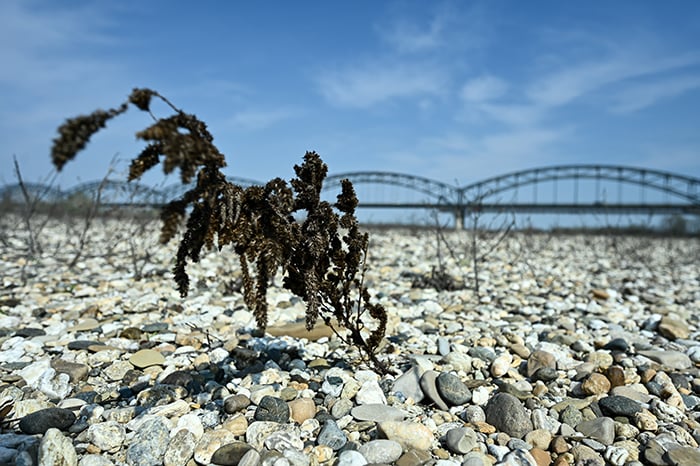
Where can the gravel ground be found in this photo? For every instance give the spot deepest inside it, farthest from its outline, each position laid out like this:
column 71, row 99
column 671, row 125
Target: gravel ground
column 576, row 350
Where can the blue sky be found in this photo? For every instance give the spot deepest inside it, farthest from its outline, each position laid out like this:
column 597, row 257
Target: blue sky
column 455, row 91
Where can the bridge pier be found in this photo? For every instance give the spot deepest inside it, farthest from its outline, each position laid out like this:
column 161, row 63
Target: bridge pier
column 459, row 219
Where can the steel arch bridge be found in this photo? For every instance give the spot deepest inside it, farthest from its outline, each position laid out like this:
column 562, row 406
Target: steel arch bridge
column 681, row 192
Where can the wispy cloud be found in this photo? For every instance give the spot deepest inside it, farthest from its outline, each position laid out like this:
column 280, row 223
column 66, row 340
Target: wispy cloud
column 261, row 119
column 483, row 88
column 640, row 96
column 577, row 79
column 362, row 86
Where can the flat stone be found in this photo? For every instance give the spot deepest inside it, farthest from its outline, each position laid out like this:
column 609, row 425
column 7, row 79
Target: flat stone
column 616, row 405
column 429, row 387
column 684, row 456
column 670, row 358
column 377, row 413
column 76, row 371
column 146, row 358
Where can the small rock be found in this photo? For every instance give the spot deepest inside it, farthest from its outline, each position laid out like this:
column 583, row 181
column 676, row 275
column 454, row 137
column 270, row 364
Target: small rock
column 210, row 443
column 616, row 405
column 230, row 454
column 381, row 451
column 302, row 409
column 40, row 421
column 180, row 448
column 235, row 403
column 272, row 409
column 408, row 383
column 601, row 429
column 351, row 458
column 595, row 384
column 56, row 449
column 452, row 389
column 107, row 436
column 507, row 414
column 674, row 328
column 377, row 413
column 331, row 435
column 149, row 444
column 460, row 440
column 539, row 359
column 370, row 393
column 409, row 435
column 146, row 358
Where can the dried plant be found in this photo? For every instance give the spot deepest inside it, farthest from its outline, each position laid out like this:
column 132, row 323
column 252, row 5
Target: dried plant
column 323, row 257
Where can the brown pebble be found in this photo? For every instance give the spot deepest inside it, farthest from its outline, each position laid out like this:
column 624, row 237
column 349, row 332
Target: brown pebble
column 559, row 445
column 647, row 374
column 302, row 409
column 541, row 456
column 595, row 384
column 616, row 376
column 483, row 427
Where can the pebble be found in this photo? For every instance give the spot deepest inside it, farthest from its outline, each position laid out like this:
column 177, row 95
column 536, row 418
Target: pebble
column 505, row 412
column 617, row 405
column 461, row 440
column 601, row 429
column 230, row 453
column 149, row 443
column 381, row 451
column 272, row 409
column 377, row 413
column 451, row 389
column 146, row 358
column 40, row 421
column 56, row 449
column 331, row 435
column 409, row 435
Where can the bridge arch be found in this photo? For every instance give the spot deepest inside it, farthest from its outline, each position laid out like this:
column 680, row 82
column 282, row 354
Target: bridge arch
column 439, row 192
column 681, row 186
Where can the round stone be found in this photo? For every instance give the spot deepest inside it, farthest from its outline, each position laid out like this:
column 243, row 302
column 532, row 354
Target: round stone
column 452, row 389
column 230, row 454
column 460, row 440
column 507, row 414
column 272, row 409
